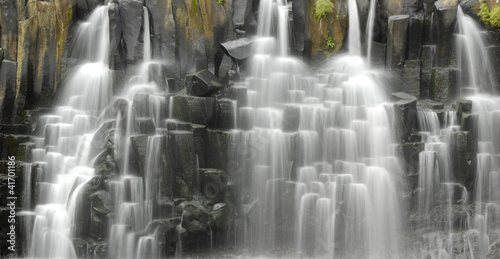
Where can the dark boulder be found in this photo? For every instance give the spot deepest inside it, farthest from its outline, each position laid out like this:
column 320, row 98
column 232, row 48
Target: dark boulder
column 239, row 50
column 203, row 83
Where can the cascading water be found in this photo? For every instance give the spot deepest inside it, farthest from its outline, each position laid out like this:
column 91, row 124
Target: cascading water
column 63, row 145
column 369, row 30
column 342, row 177
column 321, row 175
column 473, row 57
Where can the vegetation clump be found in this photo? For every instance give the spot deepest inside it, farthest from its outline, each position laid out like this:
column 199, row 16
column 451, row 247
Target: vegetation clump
column 489, row 17
column 322, row 7
column 330, row 46
column 495, row 17
column 221, row 2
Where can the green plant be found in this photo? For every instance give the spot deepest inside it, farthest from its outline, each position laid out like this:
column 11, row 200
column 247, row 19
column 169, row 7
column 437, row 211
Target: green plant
column 221, row 2
column 330, row 46
column 484, row 13
column 487, row 16
column 322, row 7
column 495, row 17
column 330, row 43
column 338, row 17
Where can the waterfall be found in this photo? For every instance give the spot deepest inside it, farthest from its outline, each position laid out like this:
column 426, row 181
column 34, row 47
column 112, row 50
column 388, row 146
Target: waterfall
column 63, row 142
column 311, row 136
column 146, row 37
column 369, row 29
column 473, row 56
column 354, row 33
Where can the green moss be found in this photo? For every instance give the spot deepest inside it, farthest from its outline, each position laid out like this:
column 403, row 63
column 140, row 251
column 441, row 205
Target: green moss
column 194, row 7
column 215, row 83
column 484, row 13
column 330, row 46
column 221, row 2
column 322, row 7
column 487, row 16
column 495, row 17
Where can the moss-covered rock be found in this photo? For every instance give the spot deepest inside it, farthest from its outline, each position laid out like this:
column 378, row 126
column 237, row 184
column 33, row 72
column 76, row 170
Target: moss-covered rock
column 318, row 33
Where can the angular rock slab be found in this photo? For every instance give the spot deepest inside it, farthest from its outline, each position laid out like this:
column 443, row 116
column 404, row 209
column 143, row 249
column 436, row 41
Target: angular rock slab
column 396, row 41
column 443, row 84
column 405, row 118
column 203, row 83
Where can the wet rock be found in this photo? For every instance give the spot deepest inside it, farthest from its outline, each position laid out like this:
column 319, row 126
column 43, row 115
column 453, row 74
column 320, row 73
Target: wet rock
column 165, row 233
column 141, row 104
column 405, row 118
column 239, row 94
column 212, row 184
column 462, row 152
column 171, row 124
column 378, row 54
column 139, row 145
column 8, row 39
column 463, row 106
column 443, row 84
column 46, row 67
column 203, row 83
column 181, row 157
column 115, row 36
column 89, row 247
column 195, row 220
column 225, row 114
column 427, row 56
column 216, row 149
column 221, row 217
column 429, row 104
column 7, row 90
column 291, row 118
column 396, row 42
column 239, row 50
column 415, row 36
column 217, row 27
column 411, row 76
column 189, row 30
column 444, row 26
column 91, row 216
column 224, row 69
column 459, row 216
column 98, row 141
column 12, row 145
column 163, row 37
column 27, row 31
column 146, row 125
column 105, row 164
column 402, row 96
column 198, row 110
column 17, row 129
column 131, row 16
column 469, row 122
column 24, row 151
